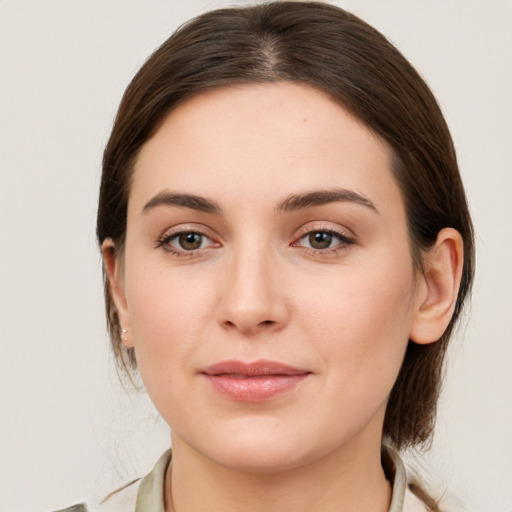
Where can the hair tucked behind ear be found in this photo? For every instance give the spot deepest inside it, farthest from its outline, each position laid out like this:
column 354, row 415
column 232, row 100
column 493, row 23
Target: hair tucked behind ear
column 326, row 47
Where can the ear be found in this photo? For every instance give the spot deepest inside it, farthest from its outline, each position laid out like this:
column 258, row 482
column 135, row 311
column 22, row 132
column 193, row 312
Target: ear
column 438, row 287
column 115, row 275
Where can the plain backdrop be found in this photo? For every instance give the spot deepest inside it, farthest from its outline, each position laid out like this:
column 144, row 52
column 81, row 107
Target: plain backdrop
column 68, row 429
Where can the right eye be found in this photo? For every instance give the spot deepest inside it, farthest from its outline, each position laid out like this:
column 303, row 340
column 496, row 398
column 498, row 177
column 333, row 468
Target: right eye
column 185, row 242
column 190, row 241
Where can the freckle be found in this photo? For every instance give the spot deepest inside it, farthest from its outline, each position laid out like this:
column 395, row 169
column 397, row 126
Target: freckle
column 305, row 120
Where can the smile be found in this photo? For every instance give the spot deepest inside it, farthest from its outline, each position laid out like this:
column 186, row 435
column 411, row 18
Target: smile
column 253, row 382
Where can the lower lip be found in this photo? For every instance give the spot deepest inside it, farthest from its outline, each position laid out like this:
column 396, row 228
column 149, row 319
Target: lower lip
column 254, row 389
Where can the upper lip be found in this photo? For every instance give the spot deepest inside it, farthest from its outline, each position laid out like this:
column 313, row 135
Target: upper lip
column 256, row 369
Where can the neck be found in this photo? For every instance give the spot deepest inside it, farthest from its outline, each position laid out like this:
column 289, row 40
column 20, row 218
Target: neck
column 347, row 479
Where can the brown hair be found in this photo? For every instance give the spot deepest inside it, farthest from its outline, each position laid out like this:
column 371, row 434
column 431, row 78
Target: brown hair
column 333, row 50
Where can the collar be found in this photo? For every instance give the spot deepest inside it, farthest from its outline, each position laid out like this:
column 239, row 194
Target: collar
column 150, row 495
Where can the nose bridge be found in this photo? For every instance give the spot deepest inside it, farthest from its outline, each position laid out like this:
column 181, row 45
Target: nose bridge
column 252, row 298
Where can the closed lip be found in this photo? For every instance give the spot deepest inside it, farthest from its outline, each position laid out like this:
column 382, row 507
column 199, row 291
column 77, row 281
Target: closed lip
column 261, row 368
column 258, row 381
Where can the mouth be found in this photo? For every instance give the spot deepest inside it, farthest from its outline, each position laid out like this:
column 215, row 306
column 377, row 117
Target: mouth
column 253, row 382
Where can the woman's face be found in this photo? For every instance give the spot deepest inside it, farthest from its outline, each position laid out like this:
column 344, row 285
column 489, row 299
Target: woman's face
column 267, row 282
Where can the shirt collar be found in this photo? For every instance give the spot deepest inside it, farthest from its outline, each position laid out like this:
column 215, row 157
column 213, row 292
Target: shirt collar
column 396, row 474
column 151, row 490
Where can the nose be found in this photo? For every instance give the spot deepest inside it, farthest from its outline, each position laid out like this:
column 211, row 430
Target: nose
column 253, row 297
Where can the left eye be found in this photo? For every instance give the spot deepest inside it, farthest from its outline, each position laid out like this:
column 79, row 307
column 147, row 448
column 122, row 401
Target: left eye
column 319, row 240
column 189, row 241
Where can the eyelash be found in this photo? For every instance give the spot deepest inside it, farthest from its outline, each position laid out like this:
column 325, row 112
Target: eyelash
column 164, row 243
column 343, row 242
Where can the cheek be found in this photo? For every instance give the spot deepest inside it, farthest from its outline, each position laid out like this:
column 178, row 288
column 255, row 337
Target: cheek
column 169, row 313
column 360, row 319
column 163, row 300
column 361, row 338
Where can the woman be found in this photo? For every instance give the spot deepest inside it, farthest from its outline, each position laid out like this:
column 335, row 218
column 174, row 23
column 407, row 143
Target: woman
column 287, row 248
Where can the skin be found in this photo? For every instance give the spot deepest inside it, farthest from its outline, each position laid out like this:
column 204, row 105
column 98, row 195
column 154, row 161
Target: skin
column 257, row 289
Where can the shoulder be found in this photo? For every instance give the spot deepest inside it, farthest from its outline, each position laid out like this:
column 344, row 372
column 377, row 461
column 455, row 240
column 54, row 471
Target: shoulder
column 142, row 494
column 123, row 499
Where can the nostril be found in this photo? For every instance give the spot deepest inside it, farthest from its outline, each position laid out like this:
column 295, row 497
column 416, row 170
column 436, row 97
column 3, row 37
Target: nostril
column 229, row 324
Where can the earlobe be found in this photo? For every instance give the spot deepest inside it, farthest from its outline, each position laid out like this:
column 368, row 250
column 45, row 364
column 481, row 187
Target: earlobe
column 115, row 276
column 438, row 287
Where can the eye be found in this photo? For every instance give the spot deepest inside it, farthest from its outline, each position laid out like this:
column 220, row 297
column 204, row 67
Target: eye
column 185, row 241
column 188, row 241
column 321, row 240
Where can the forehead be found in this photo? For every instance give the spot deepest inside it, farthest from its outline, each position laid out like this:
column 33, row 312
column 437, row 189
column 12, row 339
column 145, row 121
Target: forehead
column 263, row 140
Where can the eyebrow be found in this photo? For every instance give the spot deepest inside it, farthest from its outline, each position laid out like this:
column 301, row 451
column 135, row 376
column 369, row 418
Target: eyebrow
column 187, row 200
column 320, row 197
column 292, row 203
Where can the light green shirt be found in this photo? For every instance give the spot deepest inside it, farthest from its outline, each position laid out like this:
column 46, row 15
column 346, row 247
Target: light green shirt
column 147, row 494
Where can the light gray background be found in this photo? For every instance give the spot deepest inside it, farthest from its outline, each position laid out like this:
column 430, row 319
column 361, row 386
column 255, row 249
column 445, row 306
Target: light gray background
column 68, row 430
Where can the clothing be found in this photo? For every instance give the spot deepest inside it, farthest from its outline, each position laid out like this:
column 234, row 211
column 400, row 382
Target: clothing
column 146, row 494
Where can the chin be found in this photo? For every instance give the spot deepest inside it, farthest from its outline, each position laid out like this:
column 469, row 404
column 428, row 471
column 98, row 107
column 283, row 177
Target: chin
column 259, row 460
column 259, row 448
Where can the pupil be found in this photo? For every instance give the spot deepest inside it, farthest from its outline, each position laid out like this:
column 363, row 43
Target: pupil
column 190, row 241
column 320, row 240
